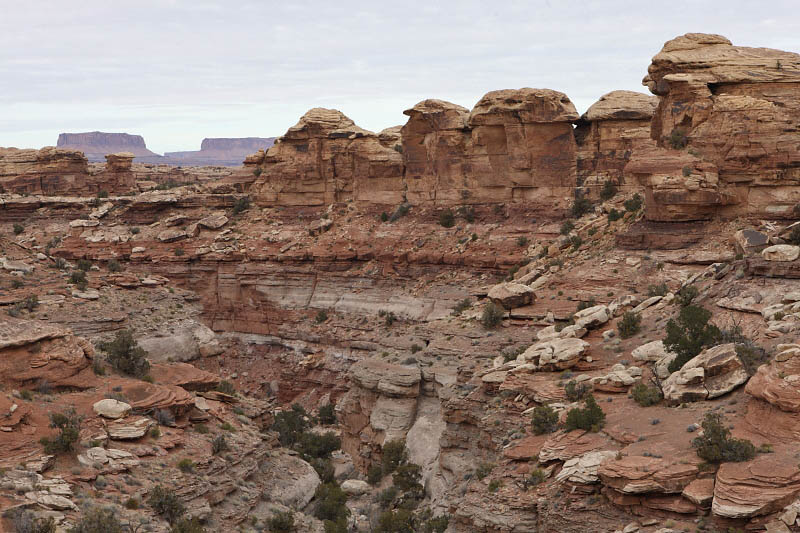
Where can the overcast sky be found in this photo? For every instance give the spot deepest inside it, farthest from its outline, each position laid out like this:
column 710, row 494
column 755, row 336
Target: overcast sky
column 176, row 71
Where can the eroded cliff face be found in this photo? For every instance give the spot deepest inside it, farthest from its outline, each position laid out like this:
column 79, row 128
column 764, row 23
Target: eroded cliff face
column 55, row 171
column 96, row 144
column 726, row 129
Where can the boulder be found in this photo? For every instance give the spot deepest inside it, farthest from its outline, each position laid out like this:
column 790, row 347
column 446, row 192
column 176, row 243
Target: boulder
column 781, row 252
column 556, row 354
column 583, row 469
column 712, row 373
column 172, row 235
column 214, row 221
column 356, row 487
column 110, row 408
column 700, row 491
column 510, row 295
column 129, row 428
column 592, row 317
column 778, row 382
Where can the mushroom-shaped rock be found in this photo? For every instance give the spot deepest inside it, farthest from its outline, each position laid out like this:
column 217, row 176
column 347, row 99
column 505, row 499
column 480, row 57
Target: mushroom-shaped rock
column 527, row 105
column 511, row 295
column 622, row 105
column 712, row 373
column 110, row 408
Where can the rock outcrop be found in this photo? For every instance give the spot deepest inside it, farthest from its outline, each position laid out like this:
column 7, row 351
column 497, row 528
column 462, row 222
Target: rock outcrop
column 608, row 133
column 726, row 130
column 712, row 373
column 778, row 382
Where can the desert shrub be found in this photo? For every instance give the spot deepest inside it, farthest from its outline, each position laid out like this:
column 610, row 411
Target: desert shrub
column 678, row 138
column 27, row 522
column 494, row 485
column 218, row 444
column 614, row 215
column 179, row 251
column 388, row 317
column 166, row 504
column 281, row 522
column 686, row 295
column 77, row 277
column 399, row 212
column 657, row 290
column 492, row 315
column 544, row 420
column 566, row 227
column 580, row 206
column 462, row 306
column 327, row 414
column 257, row 171
column 407, row 479
column 575, row 391
column 794, row 235
column 114, row 266
column 125, row 354
column 164, row 417
column 186, row 465
column 467, row 213
column 18, row 229
column 396, row 521
column 586, row 304
column 686, row 171
column 241, row 205
column 483, row 470
column 331, row 503
column 645, row 395
column 98, row 520
column 187, row 525
column 537, row 477
column 589, row 418
column 135, row 230
column 689, row 335
column 609, row 190
column 68, row 425
column 290, row 425
column 447, row 219
column 522, row 241
column 387, row 497
column 629, row 325
column 226, row 387
column 394, row 454
column 751, row 355
column 374, row 474
column 633, row 204
column 314, row 445
column 384, row 217
column 436, row 524
column 321, row 317
column 132, row 504
column 716, row 444
column 576, row 242
column 84, row 264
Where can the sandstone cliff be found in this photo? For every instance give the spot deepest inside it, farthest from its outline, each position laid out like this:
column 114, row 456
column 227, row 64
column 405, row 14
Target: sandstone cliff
column 96, row 144
column 726, row 128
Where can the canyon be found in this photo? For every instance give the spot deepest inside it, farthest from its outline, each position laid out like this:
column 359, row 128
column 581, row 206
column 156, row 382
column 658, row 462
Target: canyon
column 462, row 284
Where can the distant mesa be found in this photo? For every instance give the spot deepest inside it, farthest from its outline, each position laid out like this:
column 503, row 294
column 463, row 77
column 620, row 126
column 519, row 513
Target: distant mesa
column 220, row 152
column 95, row 145
column 213, row 152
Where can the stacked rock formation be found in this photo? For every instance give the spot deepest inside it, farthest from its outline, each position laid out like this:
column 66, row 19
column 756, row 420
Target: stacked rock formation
column 726, row 131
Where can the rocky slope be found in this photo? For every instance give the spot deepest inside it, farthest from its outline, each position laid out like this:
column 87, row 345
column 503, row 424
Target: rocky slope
column 460, row 282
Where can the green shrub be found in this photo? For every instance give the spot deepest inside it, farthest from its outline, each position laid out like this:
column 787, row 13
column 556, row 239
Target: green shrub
column 679, row 138
column 407, row 479
column 537, row 477
column 166, row 504
column 187, row 525
column 98, row 520
column 494, row 485
column 281, row 522
column 18, row 229
column 327, row 414
column 492, row 315
column 114, row 266
column 581, row 206
column 218, row 444
column 314, row 445
column 609, row 190
column 437, row 524
column 84, row 264
column 576, row 242
column 17, row 283
column 794, row 235
column 78, row 277
column 226, row 387
column 394, row 454
column 388, row 317
column 125, row 355
column 483, row 470
column 629, row 325
column 331, row 503
column 321, row 317
column 68, row 425
column 614, row 215
column 135, row 230
column 387, row 497
column 290, row 425
column 716, row 444
column 657, row 290
column 186, row 465
column 644, row 395
column 566, row 227
column 374, row 474
column 462, row 306
column 689, row 335
column 633, row 204
column 384, row 217
column 27, row 522
column 396, row 521
column 522, row 241
column 590, row 418
column 241, row 205
column 751, row 356
column 447, row 219
column 400, row 212
column 544, row 420
column 132, row 503
column 686, row 295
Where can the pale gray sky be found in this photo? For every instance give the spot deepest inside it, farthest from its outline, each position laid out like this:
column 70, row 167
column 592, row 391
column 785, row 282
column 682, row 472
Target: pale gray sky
column 175, row 71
